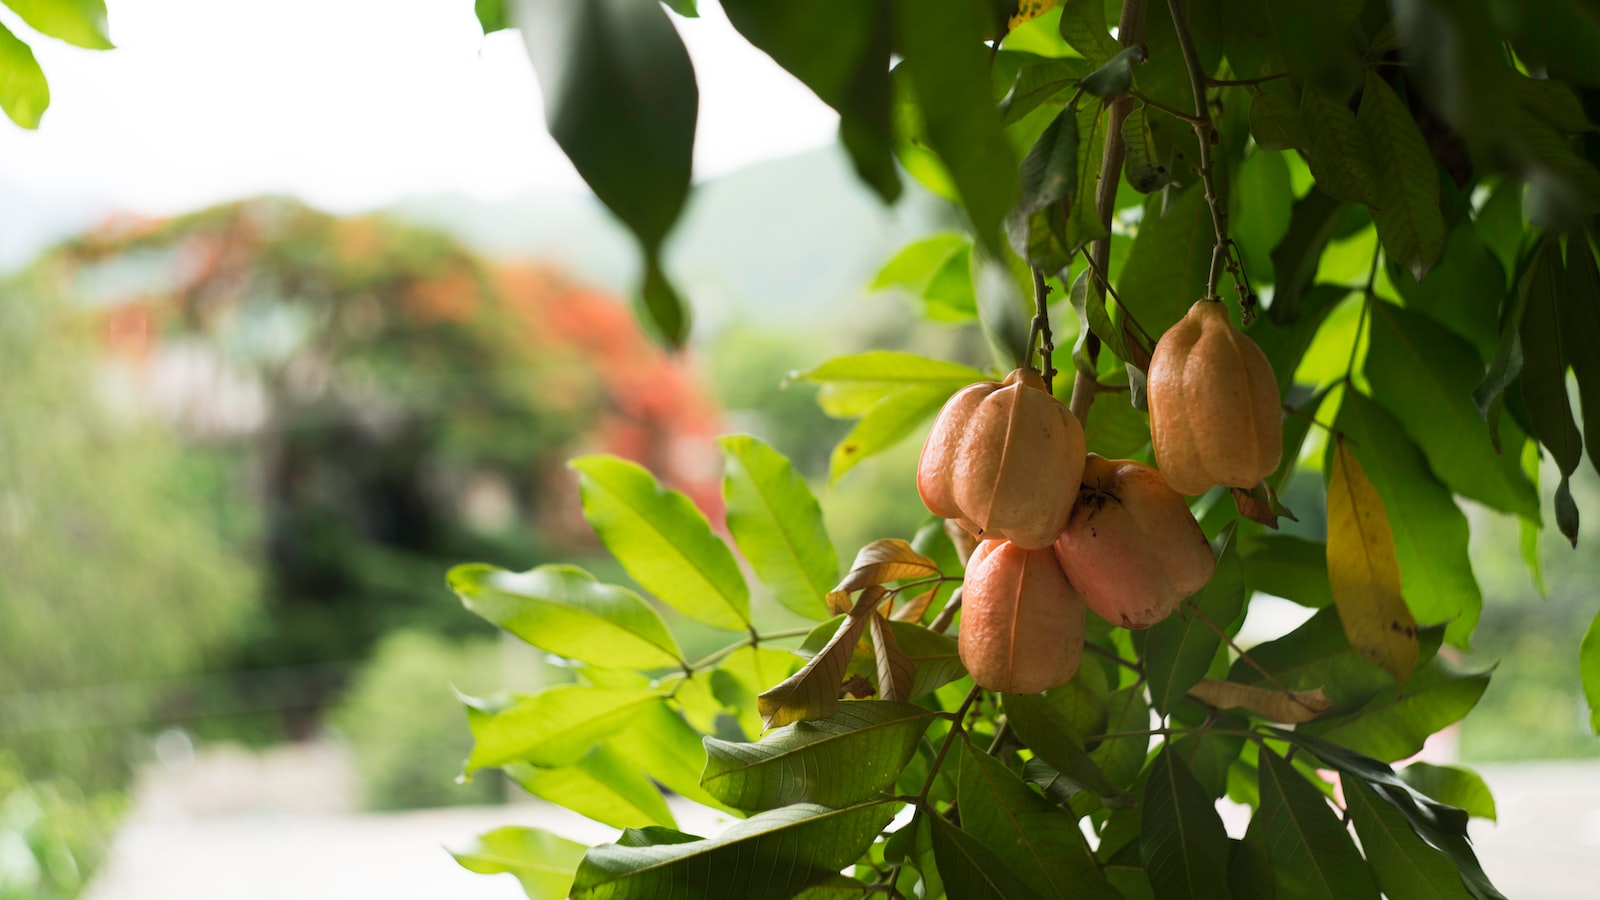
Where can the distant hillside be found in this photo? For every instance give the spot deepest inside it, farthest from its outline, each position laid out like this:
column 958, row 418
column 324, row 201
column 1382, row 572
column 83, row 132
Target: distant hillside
column 786, row 240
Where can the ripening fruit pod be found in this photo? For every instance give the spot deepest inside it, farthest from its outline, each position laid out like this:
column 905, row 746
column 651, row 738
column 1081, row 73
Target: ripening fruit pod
column 1021, row 622
column 1214, row 404
column 1132, row 549
column 1004, row 460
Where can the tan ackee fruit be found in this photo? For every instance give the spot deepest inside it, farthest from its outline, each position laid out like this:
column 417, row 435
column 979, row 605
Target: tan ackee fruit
column 1214, row 404
column 1004, row 460
column 1021, row 622
column 1132, row 550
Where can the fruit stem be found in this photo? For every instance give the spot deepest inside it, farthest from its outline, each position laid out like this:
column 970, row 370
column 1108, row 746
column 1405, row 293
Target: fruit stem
column 1203, row 129
column 944, row 749
column 1039, row 330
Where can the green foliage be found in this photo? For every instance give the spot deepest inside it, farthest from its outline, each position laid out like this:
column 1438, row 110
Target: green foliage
column 24, row 93
column 1353, row 174
column 55, row 836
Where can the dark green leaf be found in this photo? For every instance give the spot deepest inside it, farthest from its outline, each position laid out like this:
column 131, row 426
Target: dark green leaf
column 1417, row 370
column 1259, row 215
column 1499, row 223
column 663, row 307
column 1407, row 209
column 1452, row 785
column 1178, row 650
column 1249, row 868
column 1127, row 714
column 663, row 541
column 1143, row 165
column 1405, row 866
column 564, row 610
column 1580, row 328
column 1084, row 28
column 1182, row 842
column 1083, row 223
column 1275, row 122
column 1463, row 292
column 1396, row 723
column 1552, row 101
column 1566, row 512
column 1168, row 263
column 860, row 750
column 771, row 856
column 620, row 99
column 1032, row 837
column 1115, row 429
column 778, row 525
column 1287, row 566
column 840, row 50
column 24, row 94
column 554, row 727
column 1113, row 79
column 1038, row 83
column 543, row 862
column 949, row 74
column 1589, row 668
column 1430, row 530
column 1317, row 655
column 969, row 870
column 1337, row 149
column 1312, row 221
column 1049, row 735
column 1048, row 181
column 1312, row 854
column 1082, row 700
column 1544, row 368
column 603, row 786
column 81, row 23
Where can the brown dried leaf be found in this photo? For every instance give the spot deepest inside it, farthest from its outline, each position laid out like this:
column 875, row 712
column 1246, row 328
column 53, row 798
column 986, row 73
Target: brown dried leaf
column 1285, row 707
column 813, row 692
column 880, row 562
column 896, row 671
column 913, row 609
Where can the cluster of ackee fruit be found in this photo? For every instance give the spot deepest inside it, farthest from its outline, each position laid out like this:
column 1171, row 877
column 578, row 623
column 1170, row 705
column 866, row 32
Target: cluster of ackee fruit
column 1062, row 529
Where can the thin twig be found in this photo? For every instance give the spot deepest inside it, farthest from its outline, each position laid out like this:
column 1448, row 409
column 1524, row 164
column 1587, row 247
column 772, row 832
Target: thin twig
column 1244, row 82
column 1040, row 329
column 1107, row 654
column 955, row 729
column 1203, row 130
column 1366, row 312
column 1156, row 104
column 1099, row 276
column 753, row 640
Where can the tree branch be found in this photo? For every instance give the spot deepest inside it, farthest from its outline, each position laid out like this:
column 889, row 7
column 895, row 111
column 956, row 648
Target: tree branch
column 1203, row 130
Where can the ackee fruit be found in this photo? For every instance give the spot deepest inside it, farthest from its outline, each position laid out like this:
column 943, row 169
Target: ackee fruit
column 1214, row 404
column 1022, row 624
column 1004, row 461
column 1132, row 549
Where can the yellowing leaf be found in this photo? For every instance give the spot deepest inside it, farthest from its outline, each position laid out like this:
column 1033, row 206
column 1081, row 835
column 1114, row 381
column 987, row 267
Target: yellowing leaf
column 880, row 562
column 813, row 692
column 1363, row 572
column 913, row 610
column 1287, row 707
column 1028, row 10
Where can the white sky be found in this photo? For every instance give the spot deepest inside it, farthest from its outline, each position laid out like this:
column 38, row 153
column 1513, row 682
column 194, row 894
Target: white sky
column 349, row 104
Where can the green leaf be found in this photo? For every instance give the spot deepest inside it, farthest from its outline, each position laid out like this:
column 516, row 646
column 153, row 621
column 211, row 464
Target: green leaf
column 1048, row 180
column 1179, row 649
column 661, row 304
column 1249, row 868
column 81, row 23
column 541, row 861
column 1115, row 429
column 492, row 15
column 934, row 657
column 885, row 424
column 663, row 541
column 777, row 524
column 1396, row 723
column 1405, row 866
column 1028, row 834
column 1337, row 149
column 1113, row 79
column 24, row 94
column 1143, row 165
column 1121, row 758
column 1429, row 530
column 668, row 749
column 770, row 856
column 1259, row 216
column 1544, row 369
column 1317, row 655
column 741, row 678
column 1417, row 371
column 1463, row 292
column 851, row 385
column 1499, row 223
column 858, row 750
column 937, row 271
column 1452, row 785
column 1275, row 122
column 1181, row 839
column 1046, row 731
column 1038, row 83
column 1407, row 210
column 603, row 786
column 840, row 50
column 1579, row 300
column 970, row 870
column 1312, row 222
column 620, row 99
column 564, row 610
column 1287, row 566
column 813, row 692
column 1589, row 668
column 1168, row 263
column 949, row 74
column 1083, row 27
column 1312, row 855
column 554, row 727
column 1004, row 312
column 1363, row 572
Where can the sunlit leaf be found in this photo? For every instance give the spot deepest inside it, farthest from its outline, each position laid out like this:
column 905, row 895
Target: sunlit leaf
column 836, row 761
column 541, row 861
column 1589, row 670
column 739, row 680
column 1270, row 703
column 1312, row 854
column 81, row 23
column 1182, row 843
column 24, row 93
column 660, row 742
column 851, row 385
column 1363, row 573
column 603, row 786
column 554, row 727
column 663, row 541
column 886, row 423
column 1405, row 866
column 770, row 856
column 564, row 610
column 1453, row 785
column 778, row 525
